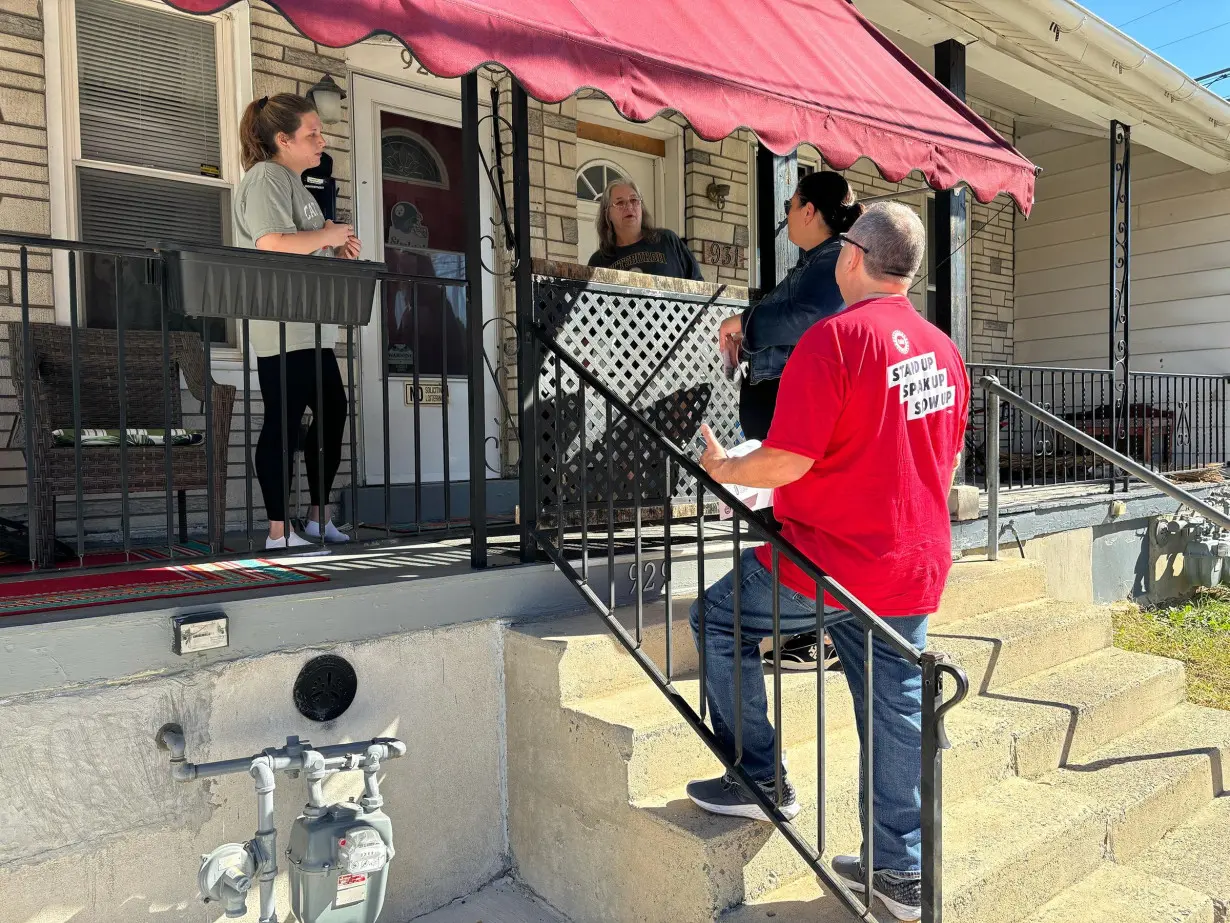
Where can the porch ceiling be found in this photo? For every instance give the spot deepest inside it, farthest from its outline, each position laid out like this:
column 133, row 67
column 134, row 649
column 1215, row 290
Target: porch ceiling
column 713, row 63
column 1009, row 42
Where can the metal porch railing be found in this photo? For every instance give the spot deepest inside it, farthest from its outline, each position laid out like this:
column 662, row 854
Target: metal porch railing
column 656, row 459
column 1175, row 423
column 152, row 495
column 1059, row 429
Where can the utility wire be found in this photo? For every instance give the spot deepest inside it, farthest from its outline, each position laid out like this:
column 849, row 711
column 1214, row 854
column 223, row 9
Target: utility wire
column 942, row 263
column 1165, row 6
column 1194, row 35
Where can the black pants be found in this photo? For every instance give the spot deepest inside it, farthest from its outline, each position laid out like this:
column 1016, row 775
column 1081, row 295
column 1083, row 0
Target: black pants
column 300, row 395
column 756, row 405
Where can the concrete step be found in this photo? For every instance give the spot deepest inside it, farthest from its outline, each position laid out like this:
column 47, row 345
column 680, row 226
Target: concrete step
column 593, row 663
column 976, row 586
column 1151, row 780
column 1009, row 644
column 994, row 735
column 1019, row 844
column 1114, row 894
column 1195, row 855
column 1066, row 712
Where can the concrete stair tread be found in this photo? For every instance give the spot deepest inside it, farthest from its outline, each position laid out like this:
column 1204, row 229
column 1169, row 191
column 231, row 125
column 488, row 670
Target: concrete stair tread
column 1194, row 855
column 1114, row 894
column 1011, row 643
column 1080, row 705
column 974, row 581
column 1150, row 780
column 990, row 858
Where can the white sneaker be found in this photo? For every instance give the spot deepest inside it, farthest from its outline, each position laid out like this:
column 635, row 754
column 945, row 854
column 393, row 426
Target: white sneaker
column 291, row 540
column 332, row 534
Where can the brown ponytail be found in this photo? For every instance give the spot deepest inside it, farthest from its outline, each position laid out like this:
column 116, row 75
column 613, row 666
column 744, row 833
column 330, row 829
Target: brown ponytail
column 264, row 120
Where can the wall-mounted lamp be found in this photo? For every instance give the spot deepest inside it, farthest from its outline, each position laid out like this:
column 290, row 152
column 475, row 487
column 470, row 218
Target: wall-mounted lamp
column 717, row 193
column 327, row 97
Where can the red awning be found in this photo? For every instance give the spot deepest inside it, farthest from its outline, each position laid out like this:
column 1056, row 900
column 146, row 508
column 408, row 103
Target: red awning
column 792, row 71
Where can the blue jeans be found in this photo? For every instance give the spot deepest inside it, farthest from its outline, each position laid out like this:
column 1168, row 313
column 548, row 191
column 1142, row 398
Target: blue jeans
column 896, row 708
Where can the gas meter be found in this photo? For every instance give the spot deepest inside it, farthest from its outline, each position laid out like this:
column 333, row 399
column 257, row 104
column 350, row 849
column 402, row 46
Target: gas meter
column 339, row 853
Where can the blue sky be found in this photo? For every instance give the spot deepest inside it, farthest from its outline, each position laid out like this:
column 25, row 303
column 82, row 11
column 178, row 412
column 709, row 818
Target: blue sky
column 1160, row 22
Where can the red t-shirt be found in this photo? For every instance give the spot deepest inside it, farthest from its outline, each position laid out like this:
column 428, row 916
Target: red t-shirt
column 878, row 397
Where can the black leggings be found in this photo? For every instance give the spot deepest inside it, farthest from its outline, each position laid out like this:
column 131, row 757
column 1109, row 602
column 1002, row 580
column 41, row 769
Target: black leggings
column 300, row 395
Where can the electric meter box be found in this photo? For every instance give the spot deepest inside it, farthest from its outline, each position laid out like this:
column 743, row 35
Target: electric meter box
column 339, row 865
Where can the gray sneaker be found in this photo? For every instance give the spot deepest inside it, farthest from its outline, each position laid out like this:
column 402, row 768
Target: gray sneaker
column 724, row 795
column 902, row 896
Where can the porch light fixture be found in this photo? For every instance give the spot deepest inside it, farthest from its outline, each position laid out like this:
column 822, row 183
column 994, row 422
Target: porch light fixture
column 327, row 97
column 717, row 193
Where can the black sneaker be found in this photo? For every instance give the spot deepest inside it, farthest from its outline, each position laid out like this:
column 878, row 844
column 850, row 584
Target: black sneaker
column 902, row 896
column 800, row 653
column 724, row 795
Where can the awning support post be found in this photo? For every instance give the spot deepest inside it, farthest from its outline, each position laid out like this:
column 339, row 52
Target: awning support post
column 1120, row 281
column 527, row 351
column 950, row 218
column 472, row 192
column 776, row 179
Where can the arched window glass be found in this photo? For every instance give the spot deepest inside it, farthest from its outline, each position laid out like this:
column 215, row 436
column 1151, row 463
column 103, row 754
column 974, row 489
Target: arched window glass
column 410, row 158
column 594, row 177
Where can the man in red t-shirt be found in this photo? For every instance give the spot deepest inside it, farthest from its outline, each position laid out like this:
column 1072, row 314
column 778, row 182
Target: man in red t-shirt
column 861, row 454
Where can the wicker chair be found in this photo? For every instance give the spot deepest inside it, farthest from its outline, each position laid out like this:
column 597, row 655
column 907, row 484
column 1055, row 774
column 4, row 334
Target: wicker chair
column 51, row 382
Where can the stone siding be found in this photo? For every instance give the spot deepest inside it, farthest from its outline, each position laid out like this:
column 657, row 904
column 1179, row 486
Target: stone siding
column 718, row 236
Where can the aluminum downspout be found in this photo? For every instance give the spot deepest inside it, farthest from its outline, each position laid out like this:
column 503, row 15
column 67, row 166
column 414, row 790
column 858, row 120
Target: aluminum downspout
column 1087, row 39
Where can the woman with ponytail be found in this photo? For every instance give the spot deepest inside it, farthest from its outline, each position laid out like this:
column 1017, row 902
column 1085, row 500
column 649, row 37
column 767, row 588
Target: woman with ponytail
column 822, row 208
column 282, row 136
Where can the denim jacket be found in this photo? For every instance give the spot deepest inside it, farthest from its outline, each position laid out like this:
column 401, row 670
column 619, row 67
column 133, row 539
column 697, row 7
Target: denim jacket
column 773, row 325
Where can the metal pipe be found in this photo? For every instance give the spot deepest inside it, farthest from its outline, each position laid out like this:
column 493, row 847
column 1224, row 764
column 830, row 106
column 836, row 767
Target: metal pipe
column 266, row 839
column 1131, row 466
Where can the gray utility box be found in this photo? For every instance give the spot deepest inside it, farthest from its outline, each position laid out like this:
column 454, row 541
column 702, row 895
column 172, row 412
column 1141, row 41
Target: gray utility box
column 235, row 283
column 339, row 864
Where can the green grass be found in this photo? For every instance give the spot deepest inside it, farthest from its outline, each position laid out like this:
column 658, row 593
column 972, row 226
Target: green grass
column 1196, row 632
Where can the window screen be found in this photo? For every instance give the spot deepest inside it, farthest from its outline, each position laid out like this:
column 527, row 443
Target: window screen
column 148, row 87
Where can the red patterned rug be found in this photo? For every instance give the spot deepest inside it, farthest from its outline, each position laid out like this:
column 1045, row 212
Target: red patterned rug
column 113, row 558
column 71, row 592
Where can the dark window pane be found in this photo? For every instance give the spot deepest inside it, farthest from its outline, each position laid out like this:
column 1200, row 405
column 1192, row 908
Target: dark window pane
column 137, row 211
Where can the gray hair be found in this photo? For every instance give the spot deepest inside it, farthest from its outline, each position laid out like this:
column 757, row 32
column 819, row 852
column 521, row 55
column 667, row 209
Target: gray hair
column 606, row 230
column 894, row 238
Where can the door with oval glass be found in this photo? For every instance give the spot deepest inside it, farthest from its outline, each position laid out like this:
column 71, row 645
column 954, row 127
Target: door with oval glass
column 410, row 203
column 599, row 164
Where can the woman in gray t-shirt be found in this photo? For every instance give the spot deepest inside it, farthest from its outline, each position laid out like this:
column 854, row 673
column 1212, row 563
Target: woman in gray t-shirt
column 282, row 136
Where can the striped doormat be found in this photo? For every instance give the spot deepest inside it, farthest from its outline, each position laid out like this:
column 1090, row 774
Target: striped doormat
column 61, row 592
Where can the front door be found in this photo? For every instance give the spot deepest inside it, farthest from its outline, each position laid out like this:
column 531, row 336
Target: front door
column 599, row 164
column 410, row 204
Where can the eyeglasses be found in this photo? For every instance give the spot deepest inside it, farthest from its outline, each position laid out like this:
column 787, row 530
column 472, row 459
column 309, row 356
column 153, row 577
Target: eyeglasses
column 789, row 203
column 626, row 203
column 853, row 243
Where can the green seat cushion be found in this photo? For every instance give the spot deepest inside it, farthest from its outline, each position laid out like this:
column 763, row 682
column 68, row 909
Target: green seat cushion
column 139, row 437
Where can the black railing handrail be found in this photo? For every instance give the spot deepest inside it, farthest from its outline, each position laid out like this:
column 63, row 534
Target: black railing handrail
column 155, row 251
column 1212, row 376
column 866, row 618
column 998, row 392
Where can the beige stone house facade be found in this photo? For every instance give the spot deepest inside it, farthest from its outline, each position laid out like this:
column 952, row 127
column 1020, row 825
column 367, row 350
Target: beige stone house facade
column 90, row 164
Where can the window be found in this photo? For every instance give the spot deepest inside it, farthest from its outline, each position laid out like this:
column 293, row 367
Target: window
column 409, row 158
column 150, row 150
column 593, row 178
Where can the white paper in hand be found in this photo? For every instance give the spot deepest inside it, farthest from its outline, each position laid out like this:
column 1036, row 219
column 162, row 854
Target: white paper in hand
column 756, row 498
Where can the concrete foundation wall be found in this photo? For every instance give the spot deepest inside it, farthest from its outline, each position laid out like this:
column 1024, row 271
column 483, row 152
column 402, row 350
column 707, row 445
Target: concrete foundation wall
column 96, row 831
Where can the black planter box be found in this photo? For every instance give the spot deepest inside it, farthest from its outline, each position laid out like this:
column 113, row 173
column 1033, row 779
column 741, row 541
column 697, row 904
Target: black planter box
column 231, row 282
